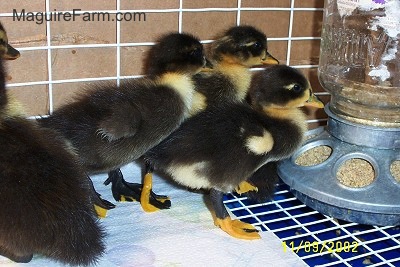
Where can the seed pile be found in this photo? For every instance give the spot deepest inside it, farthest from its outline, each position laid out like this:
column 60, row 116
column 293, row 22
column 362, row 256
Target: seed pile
column 356, row 173
column 395, row 170
column 314, row 156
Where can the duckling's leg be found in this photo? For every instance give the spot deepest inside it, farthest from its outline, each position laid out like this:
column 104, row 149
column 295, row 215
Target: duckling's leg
column 100, row 205
column 145, row 197
column 124, row 191
column 234, row 228
column 15, row 257
column 245, row 187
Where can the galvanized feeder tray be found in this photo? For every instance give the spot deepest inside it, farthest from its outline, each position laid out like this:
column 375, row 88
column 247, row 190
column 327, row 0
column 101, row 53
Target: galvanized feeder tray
column 377, row 203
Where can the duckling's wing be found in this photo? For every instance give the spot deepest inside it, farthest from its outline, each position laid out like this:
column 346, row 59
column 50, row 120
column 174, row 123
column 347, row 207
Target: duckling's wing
column 123, row 121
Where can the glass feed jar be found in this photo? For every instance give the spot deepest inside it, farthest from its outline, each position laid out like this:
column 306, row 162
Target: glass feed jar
column 360, row 60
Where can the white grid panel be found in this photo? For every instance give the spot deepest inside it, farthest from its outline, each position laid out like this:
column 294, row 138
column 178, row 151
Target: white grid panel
column 317, row 239
column 49, row 47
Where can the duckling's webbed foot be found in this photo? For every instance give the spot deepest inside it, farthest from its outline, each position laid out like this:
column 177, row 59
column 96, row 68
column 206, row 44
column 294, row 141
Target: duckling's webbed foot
column 151, row 202
column 234, row 228
column 124, row 191
column 101, row 206
column 15, row 257
column 245, row 187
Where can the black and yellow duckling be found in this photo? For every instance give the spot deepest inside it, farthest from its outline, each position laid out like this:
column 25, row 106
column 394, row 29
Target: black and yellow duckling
column 231, row 55
column 110, row 126
column 45, row 206
column 219, row 148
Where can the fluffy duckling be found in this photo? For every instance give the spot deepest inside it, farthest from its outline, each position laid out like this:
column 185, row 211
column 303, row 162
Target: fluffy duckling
column 45, row 208
column 219, row 148
column 239, row 48
column 232, row 54
column 111, row 126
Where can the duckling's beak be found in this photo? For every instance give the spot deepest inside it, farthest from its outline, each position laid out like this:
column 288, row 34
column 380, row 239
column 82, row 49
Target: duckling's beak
column 11, row 53
column 208, row 66
column 314, row 101
column 269, row 59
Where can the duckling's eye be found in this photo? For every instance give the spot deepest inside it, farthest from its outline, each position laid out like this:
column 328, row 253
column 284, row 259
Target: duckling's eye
column 296, row 88
column 196, row 53
column 257, row 45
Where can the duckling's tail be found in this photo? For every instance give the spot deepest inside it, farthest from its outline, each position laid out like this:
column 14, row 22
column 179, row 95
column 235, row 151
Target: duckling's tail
column 64, row 233
column 46, row 208
column 76, row 236
column 82, row 242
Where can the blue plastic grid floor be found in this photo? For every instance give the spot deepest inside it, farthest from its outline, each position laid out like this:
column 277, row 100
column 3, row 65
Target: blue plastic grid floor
column 318, row 239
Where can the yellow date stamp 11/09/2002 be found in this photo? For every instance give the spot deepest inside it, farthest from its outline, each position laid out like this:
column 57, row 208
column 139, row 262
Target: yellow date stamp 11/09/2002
column 320, row 247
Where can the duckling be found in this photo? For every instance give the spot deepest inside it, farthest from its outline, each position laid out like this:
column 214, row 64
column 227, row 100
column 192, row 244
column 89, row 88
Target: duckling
column 228, row 79
column 231, row 55
column 110, row 126
column 219, row 148
column 45, row 208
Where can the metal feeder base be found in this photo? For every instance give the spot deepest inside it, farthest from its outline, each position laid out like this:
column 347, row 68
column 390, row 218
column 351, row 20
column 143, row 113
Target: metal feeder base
column 318, row 187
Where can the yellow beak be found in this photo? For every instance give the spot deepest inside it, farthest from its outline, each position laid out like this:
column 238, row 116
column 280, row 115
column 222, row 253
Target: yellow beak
column 269, row 59
column 314, row 101
column 11, row 53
